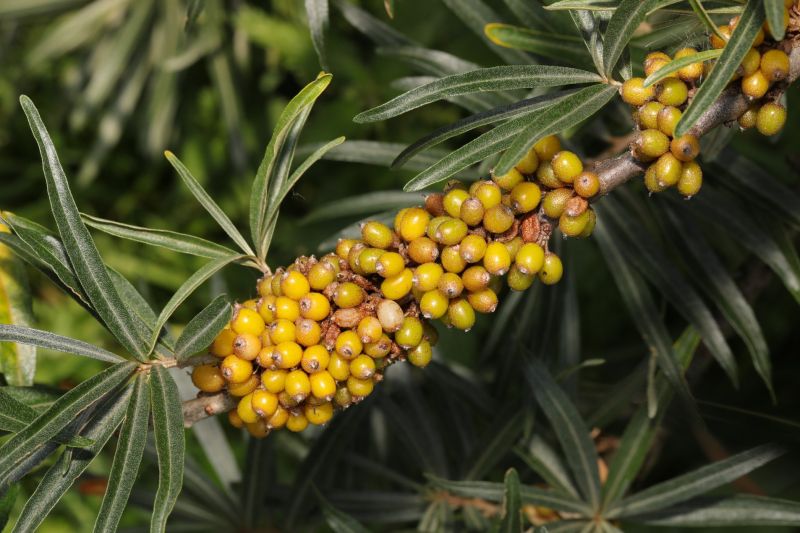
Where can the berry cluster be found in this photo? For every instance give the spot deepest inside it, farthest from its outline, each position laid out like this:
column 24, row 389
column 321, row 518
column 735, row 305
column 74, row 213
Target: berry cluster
column 659, row 107
column 323, row 331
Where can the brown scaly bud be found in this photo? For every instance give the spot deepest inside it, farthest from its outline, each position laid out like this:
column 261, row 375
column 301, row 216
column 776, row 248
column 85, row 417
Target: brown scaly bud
column 434, row 204
column 510, row 233
column 530, row 228
column 348, row 318
column 575, row 206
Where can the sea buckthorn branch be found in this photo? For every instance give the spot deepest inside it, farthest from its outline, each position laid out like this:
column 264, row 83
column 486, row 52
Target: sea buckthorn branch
column 731, row 104
column 205, row 406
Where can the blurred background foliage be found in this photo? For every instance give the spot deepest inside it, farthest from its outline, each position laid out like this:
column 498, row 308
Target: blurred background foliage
column 119, row 81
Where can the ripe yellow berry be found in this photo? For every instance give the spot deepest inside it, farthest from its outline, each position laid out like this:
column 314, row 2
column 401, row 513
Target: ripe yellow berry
column 487, row 192
column 338, row 367
column 409, row 334
column 433, row 304
column 278, row 419
column 343, row 247
column 651, row 180
column 497, row 259
column 235, row 369
column 484, row 301
column 348, row 345
column 566, row 166
column 245, row 409
column 573, row 226
column 525, row 197
column 380, row 348
column 315, row 359
column 287, row 308
column 555, row 201
column 318, row 414
column 530, row 258
column 264, row 403
column 635, row 93
column 413, row 223
column 518, row 281
column 360, row 387
column 755, row 85
column 362, row 367
column 475, row 278
column 369, row 329
column 510, row 178
column 223, row 344
column 376, row 234
column 667, row 119
column 472, row 248
column 250, row 304
column 398, row 286
column 749, row 117
column 297, row 385
column 451, row 259
column 208, row 378
column 323, row 386
column 246, row 346
column 685, row 147
column 353, row 256
column 587, row 231
column 273, row 380
column 587, row 184
column 321, row 275
column 266, row 308
column 297, row 422
column 771, row 118
column 654, row 61
column 716, row 41
column 750, row 63
column 450, row 284
column 668, row 170
column 247, row 321
column 527, row 165
column 282, row 330
column 452, row 201
column 672, row 91
column 264, row 286
column 348, row 295
column 426, row 276
column 451, row 231
column 294, row 285
column 498, row 219
column 691, row 72
column 235, row 420
column 547, row 177
column 390, row 315
column 650, row 144
column 775, row 65
column 258, row 429
column 368, row 259
column 691, row 179
column 460, row 314
column 391, row 264
column 552, row 269
column 315, row 306
column 423, row 250
column 287, row 355
column 647, row 115
column 547, row 147
column 472, row 211
column 245, row 387
column 421, row 354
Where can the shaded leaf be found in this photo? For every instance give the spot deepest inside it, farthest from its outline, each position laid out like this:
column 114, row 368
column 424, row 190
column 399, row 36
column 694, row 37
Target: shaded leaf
column 317, row 13
column 475, row 14
column 170, row 444
column 562, row 48
column 15, row 416
column 626, row 18
column 703, row 15
column 203, row 328
column 7, row 499
column 545, row 462
column 737, row 511
column 773, row 9
column 338, row 521
column 51, row 341
column 512, row 504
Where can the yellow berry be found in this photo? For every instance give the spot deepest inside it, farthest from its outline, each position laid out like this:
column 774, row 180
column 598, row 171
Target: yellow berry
column 750, row 63
column 460, row 314
column 552, row 269
column 771, row 118
column 264, row 287
column 498, row 219
column 647, row 115
column 691, row 179
column 484, row 301
column 273, row 380
column 426, row 276
column 264, row 403
column 451, row 231
column 691, row 72
column 685, row 147
column 450, row 284
column 297, row 385
column 672, row 91
column 278, row 419
column 749, row 117
column 379, row 348
column 323, row 386
column 472, row 248
column 519, row 281
column 555, row 202
column 420, row 355
column 258, row 429
column 775, row 65
column 651, row 180
column 487, row 192
column 527, row 165
column 359, row 387
column 348, row 345
column 510, row 178
column 294, row 285
column 572, row 226
column 718, row 42
column 530, row 258
column 235, row 369
column 339, row 367
column 369, row 329
column 413, row 223
column 245, row 387
column 348, row 295
column 668, row 170
column 208, row 378
column 654, row 61
column 362, row 367
column 475, row 278
column 667, row 119
column 223, row 344
column 587, row 184
column 755, row 85
column 235, row 420
column 433, row 304
column 246, row 346
column 318, row 414
column 547, row 147
column 266, row 308
column 245, row 410
column 497, row 260
column 635, row 93
column 566, row 166
column 377, row 235
column 287, row 355
column 297, row 422
column 547, row 177
column 343, row 247
column 368, row 259
column 452, row 201
column 423, row 250
column 451, row 259
column 321, row 275
column 513, row 246
column 390, row 264
column 409, row 334
column 315, row 359
column 472, row 211
column 399, row 285
column 287, row 308
column 282, row 330
column 247, row 321
column 315, row 306
column 650, row 144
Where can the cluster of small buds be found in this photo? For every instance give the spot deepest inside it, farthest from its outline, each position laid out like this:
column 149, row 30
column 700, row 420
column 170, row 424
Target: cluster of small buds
column 659, row 107
column 322, row 332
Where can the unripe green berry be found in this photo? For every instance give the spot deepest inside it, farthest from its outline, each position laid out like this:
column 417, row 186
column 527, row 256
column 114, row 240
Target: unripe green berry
column 551, row 270
column 421, row 354
column 519, row 281
column 410, row 333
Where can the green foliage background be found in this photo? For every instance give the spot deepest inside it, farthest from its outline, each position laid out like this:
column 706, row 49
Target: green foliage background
column 224, row 106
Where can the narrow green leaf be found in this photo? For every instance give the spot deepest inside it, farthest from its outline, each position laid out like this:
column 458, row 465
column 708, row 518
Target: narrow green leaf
column 63, row 412
column 364, row 204
column 266, row 173
column 51, row 341
column 504, row 432
column 127, row 458
column 17, row 361
column 60, row 477
column 85, row 259
column 378, row 31
column 572, row 433
column 554, row 119
column 773, row 9
column 587, row 5
column 626, row 18
column 178, row 242
column 739, row 511
column 493, row 492
column 202, row 329
column 15, row 416
column 704, row 17
column 677, row 64
column 684, row 487
column 512, row 504
column 545, row 462
column 739, row 44
column 562, row 48
column 170, row 444
column 189, row 286
column 301, row 169
column 338, row 521
column 208, row 203
column 7, row 499
column 486, row 79
column 475, row 14
column 588, row 27
column 317, row 14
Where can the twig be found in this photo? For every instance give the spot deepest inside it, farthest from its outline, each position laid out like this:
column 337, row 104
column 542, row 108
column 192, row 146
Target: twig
column 205, row 406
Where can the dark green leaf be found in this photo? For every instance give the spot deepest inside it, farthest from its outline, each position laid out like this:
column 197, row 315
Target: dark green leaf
column 588, row 26
column 51, row 341
column 739, row 511
column 626, row 18
column 7, row 499
column 703, row 15
column 677, row 64
column 365, row 204
column 545, row 462
column 317, row 13
column 475, row 14
column 693, row 484
column 127, row 458
column 84, row 257
column 202, row 329
column 562, row 115
column 737, row 47
column 572, row 433
column 301, row 169
column 170, row 444
column 773, row 9
column 15, row 416
column 338, row 521
column 512, row 505
column 486, row 79
column 378, row 31
column 179, row 242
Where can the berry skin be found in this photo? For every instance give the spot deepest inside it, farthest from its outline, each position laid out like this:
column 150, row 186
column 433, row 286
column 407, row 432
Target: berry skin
column 223, row 344
column 635, row 93
column 390, row 315
column 348, row 345
column 472, row 211
column 651, row 180
column 496, row 260
column 273, row 380
column 518, row 281
column 690, row 72
column 258, row 429
column 513, row 246
column 420, row 355
column 484, row 301
column 525, row 197
column 547, row 177
column 398, row 286
column 297, row 385
column 508, row 180
column 749, row 117
column 282, row 330
column 450, row 285
column 266, row 308
column 343, row 398
column 381, row 348
column 287, row 308
column 667, row 120
column 451, row 231
column 547, row 147
column 264, row 287
column 377, row 235
column 344, row 245
column 294, row 285
column 552, row 269
column 323, row 386
column 654, row 61
column 287, row 355
column 460, row 314
column 647, row 115
column 339, row 367
column 590, row 224
column 391, row 263
column 409, row 334
column 716, row 41
column 686, row 147
column 451, row 259
column 566, row 166
column 471, row 248
column 572, row 226
column 245, row 410
column 369, row 329
column 423, row 250
column 315, row 306
column 348, row 295
column 318, row 414
column 487, row 192
column 368, row 259
column 235, row 369
column 246, row 346
column 452, row 201
column 321, row 275
column 587, row 184
column 278, row 419
column 555, row 201
column 264, row 403
column 755, row 85
column 426, row 276
column 497, row 219
column 315, row 359
column 433, row 304
column 691, row 179
column 360, row 387
column 668, row 170
column 672, row 91
column 235, row 420
column 650, row 144
column 475, row 278
column 775, row 65
column 208, row 378
column 244, row 388
column 362, row 367
column 247, row 321
column 297, row 422
column 413, row 223
column 530, row 258
column 771, row 118
column 750, row 63
column 527, row 165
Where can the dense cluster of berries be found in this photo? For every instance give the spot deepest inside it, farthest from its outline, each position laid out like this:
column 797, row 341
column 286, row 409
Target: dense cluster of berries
column 322, row 331
column 659, row 107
